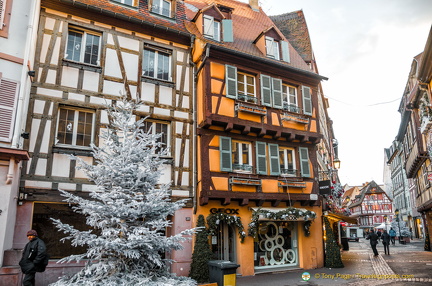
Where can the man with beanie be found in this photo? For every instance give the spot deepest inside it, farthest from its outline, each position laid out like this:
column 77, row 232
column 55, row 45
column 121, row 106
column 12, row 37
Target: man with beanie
column 33, row 257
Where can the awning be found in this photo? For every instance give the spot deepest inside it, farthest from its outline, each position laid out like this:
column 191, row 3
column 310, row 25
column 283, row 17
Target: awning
column 341, row 217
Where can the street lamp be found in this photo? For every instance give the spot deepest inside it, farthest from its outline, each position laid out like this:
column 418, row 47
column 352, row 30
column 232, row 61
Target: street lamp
column 336, row 163
column 397, row 220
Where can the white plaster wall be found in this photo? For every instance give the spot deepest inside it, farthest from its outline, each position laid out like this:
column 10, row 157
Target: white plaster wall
column 130, row 62
column 61, row 165
column 165, row 95
column 113, row 88
column 128, row 43
column 112, row 66
column 147, row 92
column 70, row 77
column 91, row 81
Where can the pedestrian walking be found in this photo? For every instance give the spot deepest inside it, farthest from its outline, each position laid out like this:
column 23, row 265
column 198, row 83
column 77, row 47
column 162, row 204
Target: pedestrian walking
column 386, row 242
column 34, row 258
column 392, row 234
column 373, row 238
column 379, row 234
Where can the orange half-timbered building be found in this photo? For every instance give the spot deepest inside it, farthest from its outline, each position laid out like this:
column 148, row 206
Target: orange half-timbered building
column 257, row 134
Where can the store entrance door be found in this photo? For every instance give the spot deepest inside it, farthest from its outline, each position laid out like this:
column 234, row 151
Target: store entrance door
column 223, row 244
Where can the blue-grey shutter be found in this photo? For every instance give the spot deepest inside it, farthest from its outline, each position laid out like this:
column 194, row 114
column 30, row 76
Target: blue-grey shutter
column 277, row 92
column 307, row 100
column 285, row 51
column 266, row 90
column 304, row 161
column 274, row 159
column 227, row 28
column 225, row 154
column 261, row 158
column 231, row 81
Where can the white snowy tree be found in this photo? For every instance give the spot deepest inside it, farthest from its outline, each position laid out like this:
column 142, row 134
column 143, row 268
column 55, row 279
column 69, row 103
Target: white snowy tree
column 402, row 225
column 127, row 213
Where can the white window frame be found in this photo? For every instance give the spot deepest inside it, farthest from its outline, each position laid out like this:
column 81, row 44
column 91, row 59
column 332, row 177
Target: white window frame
column 241, row 167
column 85, row 34
column 272, row 48
column 158, row 7
column 75, row 127
column 211, row 28
column 290, row 99
column 284, row 162
column 243, row 94
column 133, row 4
column 156, row 62
column 153, row 131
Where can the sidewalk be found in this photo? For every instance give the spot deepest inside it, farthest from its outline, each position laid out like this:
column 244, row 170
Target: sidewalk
column 361, row 268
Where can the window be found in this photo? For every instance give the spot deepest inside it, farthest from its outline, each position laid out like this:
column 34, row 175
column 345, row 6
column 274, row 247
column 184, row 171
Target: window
column 8, row 98
column 162, row 128
column 212, row 28
column 241, row 156
column 287, row 161
column 157, row 63
column 161, row 7
column 289, row 97
column 128, row 2
column 272, row 48
column 5, row 15
column 75, row 127
column 89, row 54
column 246, row 87
column 2, row 13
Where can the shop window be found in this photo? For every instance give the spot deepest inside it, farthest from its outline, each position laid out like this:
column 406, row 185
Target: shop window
column 83, row 46
column 157, row 63
column 276, row 245
column 133, row 3
column 75, row 127
column 42, row 214
column 223, row 244
column 289, row 98
column 162, row 7
column 161, row 128
column 8, row 99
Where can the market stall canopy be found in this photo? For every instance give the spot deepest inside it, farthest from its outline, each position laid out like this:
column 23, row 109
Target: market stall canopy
column 341, row 217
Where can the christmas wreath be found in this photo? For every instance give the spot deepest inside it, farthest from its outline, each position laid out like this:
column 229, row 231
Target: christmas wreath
column 213, row 221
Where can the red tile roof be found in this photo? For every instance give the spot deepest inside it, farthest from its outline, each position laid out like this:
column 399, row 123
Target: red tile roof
column 247, row 25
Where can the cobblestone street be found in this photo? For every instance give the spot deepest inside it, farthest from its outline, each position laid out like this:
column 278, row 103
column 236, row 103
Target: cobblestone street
column 407, row 264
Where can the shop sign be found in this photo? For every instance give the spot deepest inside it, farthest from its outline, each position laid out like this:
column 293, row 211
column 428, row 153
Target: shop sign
column 224, row 210
column 324, row 187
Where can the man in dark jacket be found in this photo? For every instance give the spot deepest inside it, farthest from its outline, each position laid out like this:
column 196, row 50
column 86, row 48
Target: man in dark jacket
column 386, row 242
column 373, row 238
column 33, row 257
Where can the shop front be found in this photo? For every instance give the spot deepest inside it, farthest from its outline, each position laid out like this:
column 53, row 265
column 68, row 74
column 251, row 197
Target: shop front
column 265, row 239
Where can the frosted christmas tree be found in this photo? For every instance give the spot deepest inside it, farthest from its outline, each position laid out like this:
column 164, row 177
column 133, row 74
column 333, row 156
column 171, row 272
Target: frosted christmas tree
column 402, row 226
column 128, row 211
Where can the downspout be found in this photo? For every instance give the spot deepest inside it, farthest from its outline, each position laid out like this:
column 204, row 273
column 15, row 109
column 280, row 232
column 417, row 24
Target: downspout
column 24, row 92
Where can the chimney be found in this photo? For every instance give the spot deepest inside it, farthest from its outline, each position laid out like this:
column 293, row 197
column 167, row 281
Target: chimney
column 254, row 5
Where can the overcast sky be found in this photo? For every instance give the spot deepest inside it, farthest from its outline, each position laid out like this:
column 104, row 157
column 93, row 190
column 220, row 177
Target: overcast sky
column 365, row 48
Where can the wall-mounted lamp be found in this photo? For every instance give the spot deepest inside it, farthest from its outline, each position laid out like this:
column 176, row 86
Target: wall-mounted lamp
column 336, row 163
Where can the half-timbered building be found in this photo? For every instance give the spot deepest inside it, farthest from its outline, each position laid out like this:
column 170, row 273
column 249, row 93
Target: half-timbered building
column 89, row 54
column 257, row 135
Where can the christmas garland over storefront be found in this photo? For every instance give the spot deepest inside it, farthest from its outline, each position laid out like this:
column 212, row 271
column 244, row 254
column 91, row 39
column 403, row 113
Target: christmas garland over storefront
column 290, row 213
column 213, row 221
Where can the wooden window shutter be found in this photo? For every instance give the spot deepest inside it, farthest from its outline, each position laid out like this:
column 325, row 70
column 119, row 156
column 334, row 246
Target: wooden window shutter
column 227, row 28
column 266, row 90
column 307, row 100
column 274, row 159
column 231, row 81
column 304, row 161
column 261, row 158
column 8, row 96
column 277, row 92
column 2, row 13
column 225, row 154
column 285, row 51
column 208, row 26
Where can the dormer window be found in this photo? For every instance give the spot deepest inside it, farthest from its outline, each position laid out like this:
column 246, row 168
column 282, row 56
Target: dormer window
column 133, row 3
column 212, row 28
column 162, row 7
column 272, row 48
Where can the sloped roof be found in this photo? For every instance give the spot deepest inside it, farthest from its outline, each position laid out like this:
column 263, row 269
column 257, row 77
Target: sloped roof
column 248, row 24
column 140, row 15
column 293, row 26
column 371, row 188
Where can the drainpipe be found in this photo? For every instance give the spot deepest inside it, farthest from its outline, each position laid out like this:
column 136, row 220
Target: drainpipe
column 24, row 92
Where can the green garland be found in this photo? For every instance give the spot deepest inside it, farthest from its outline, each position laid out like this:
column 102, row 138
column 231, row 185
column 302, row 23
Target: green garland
column 213, row 221
column 290, row 212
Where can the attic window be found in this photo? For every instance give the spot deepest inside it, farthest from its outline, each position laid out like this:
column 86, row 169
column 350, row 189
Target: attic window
column 132, row 3
column 162, row 7
column 212, row 28
column 272, row 48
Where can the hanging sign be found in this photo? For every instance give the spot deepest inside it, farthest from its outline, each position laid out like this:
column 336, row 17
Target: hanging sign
column 324, row 187
column 430, row 177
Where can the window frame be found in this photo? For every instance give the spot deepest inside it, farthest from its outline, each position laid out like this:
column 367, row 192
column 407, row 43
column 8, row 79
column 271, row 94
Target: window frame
column 272, row 48
column 75, row 127
column 134, row 3
column 245, row 95
column 157, row 51
column 245, row 167
column 84, row 32
column 153, row 128
column 211, row 30
column 287, row 98
column 286, row 170
column 161, row 8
